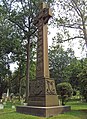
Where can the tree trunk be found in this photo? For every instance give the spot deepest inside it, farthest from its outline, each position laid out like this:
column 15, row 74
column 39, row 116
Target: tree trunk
column 63, row 101
column 85, row 34
column 0, row 89
column 27, row 69
column 19, row 77
column 0, row 94
column 86, row 49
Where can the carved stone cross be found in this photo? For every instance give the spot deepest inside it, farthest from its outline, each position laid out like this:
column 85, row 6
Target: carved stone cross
column 42, row 69
column 43, row 100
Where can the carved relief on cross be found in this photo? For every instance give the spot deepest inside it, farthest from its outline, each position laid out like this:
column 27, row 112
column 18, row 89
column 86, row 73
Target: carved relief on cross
column 41, row 20
column 44, row 14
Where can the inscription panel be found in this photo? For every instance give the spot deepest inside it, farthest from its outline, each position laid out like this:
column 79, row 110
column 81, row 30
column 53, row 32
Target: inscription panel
column 40, row 33
column 40, row 23
column 39, row 44
column 37, row 88
column 39, row 69
column 39, row 47
column 40, row 60
column 40, row 26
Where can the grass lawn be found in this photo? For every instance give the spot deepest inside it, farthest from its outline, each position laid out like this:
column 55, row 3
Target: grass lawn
column 79, row 111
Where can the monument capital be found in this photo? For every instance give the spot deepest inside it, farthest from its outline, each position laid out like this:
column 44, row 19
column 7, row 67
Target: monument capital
column 43, row 5
column 44, row 14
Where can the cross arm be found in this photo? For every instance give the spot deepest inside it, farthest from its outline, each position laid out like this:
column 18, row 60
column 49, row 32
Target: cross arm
column 47, row 13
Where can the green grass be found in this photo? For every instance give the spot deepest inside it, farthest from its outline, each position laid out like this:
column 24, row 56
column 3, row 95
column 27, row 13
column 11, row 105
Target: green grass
column 79, row 111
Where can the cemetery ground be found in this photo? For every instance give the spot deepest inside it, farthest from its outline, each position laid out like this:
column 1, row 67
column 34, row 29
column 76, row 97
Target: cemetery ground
column 78, row 111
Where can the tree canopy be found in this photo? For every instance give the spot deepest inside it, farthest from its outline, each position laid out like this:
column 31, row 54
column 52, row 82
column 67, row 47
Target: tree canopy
column 71, row 19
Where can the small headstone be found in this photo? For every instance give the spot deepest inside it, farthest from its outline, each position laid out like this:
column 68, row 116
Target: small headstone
column 11, row 96
column 22, row 102
column 4, row 95
column 1, row 106
column 25, row 104
column 13, row 107
column 4, row 103
column 1, row 101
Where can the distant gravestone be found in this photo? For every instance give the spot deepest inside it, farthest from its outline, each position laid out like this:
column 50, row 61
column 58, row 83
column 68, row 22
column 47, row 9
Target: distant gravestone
column 4, row 97
column 13, row 107
column 1, row 106
column 43, row 100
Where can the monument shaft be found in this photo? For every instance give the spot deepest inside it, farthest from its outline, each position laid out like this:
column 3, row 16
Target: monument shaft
column 42, row 69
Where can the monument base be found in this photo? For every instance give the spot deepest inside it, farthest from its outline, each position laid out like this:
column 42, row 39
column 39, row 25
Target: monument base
column 43, row 111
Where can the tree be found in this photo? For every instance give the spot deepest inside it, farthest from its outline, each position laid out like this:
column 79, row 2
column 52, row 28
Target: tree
column 72, row 71
column 72, row 16
column 10, row 46
column 5, row 48
column 83, row 79
column 18, row 78
column 18, row 83
column 22, row 15
column 64, row 90
column 3, row 87
column 59, row 60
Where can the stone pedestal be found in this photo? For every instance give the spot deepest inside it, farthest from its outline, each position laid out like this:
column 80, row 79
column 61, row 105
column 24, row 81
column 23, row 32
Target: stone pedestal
column 43, row 100
column 43, row 93
column 43, row 111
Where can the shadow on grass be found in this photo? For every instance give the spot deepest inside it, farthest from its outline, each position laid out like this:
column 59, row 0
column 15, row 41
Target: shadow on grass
column 81, row 113
column 83, row 110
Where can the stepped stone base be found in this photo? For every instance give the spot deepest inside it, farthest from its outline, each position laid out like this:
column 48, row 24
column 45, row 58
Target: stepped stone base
column 43, row 111
column 43, row 100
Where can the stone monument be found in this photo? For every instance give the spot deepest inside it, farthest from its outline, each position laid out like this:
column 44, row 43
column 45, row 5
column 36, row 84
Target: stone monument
column 42, row 90
column 43, row 100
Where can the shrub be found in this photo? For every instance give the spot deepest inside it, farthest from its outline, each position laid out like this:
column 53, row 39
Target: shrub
column 65, row 91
